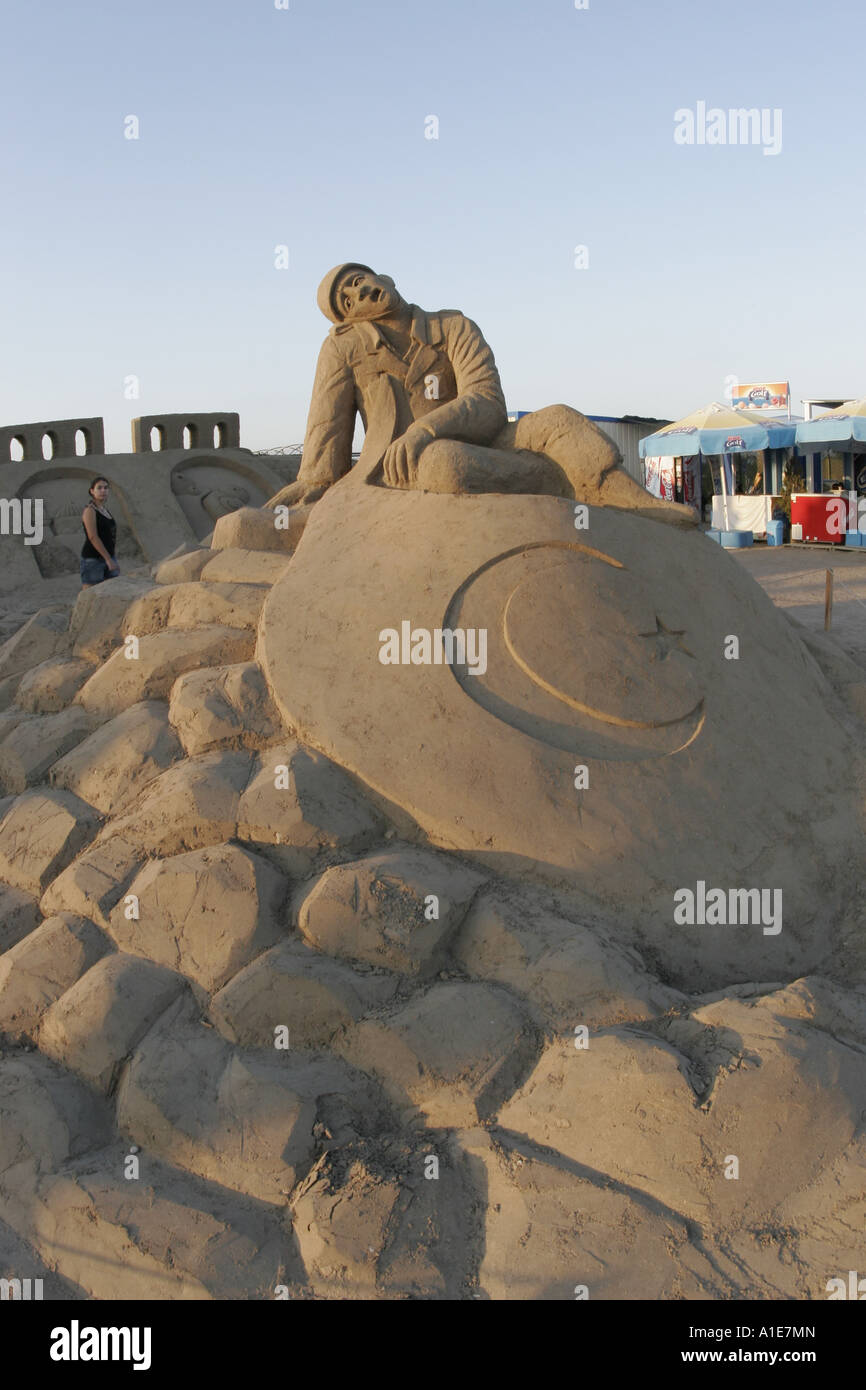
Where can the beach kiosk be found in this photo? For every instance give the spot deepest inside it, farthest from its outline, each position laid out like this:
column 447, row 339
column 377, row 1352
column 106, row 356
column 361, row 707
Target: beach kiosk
column 835, row 446
column 722, row 432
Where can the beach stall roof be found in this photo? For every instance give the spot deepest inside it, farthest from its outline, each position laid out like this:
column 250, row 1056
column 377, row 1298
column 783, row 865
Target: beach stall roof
column 845, row 425
column 718, row 429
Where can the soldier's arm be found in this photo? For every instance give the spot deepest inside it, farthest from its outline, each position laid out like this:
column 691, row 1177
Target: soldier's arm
column 478, row 413
column 331, row 420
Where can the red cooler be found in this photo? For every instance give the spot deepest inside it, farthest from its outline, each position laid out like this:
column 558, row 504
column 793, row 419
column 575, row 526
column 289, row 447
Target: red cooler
column 819, row 517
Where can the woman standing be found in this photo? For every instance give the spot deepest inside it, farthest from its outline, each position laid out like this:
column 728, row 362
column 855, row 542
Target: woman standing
column 100, row 533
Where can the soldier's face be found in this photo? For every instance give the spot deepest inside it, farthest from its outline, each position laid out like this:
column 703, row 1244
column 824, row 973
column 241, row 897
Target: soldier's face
column 362, row 295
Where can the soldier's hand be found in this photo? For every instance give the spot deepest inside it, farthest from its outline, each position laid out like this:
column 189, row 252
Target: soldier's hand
column 400, row 463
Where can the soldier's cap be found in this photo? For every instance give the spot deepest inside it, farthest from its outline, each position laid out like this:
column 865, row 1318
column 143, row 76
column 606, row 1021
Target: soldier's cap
column 326, row 295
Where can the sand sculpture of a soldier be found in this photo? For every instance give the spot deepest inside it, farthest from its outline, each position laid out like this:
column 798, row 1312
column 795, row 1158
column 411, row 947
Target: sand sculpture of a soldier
column 428, row 392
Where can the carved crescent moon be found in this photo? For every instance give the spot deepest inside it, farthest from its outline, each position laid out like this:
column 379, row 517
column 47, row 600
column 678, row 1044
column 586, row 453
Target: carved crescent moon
column 576, row 657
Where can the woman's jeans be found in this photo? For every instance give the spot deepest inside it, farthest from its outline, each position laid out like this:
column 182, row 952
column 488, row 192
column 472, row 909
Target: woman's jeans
column 94, row 571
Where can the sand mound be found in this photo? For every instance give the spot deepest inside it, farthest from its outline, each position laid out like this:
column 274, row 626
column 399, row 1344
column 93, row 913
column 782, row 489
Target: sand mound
column 322, row 975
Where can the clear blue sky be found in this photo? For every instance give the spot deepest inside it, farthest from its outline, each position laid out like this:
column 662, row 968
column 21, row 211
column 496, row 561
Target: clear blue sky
column 305, row 127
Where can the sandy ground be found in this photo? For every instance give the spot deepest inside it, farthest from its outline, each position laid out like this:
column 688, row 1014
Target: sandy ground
column 794, row 577
column 19, row 1261
column 18, row 605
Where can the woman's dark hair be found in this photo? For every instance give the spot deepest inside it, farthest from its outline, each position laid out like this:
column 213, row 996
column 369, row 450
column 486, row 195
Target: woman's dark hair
column 94, row 481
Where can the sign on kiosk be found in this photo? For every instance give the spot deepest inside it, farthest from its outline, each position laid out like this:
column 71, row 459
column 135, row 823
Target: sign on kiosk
column 762, row 395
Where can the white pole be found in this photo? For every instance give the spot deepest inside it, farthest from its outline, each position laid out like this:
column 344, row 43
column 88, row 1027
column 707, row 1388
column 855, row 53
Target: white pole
column 724, row 493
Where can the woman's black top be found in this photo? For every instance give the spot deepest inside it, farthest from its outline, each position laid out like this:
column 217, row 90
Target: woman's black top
column 106, row 529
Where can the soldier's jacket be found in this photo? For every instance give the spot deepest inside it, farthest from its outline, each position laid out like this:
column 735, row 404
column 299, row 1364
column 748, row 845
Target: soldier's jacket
column 445, row 346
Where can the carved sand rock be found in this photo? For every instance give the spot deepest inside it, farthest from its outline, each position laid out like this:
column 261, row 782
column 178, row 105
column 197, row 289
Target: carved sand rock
column 350, row 973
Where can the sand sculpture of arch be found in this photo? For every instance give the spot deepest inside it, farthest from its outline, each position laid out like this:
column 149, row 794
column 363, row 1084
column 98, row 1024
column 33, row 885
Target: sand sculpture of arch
column 207, row 486
column 62, row 433
column 61, row 546
column 223, row 427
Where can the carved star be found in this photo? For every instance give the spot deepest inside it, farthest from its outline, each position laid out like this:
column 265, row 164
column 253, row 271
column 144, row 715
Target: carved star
column 668, row 640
